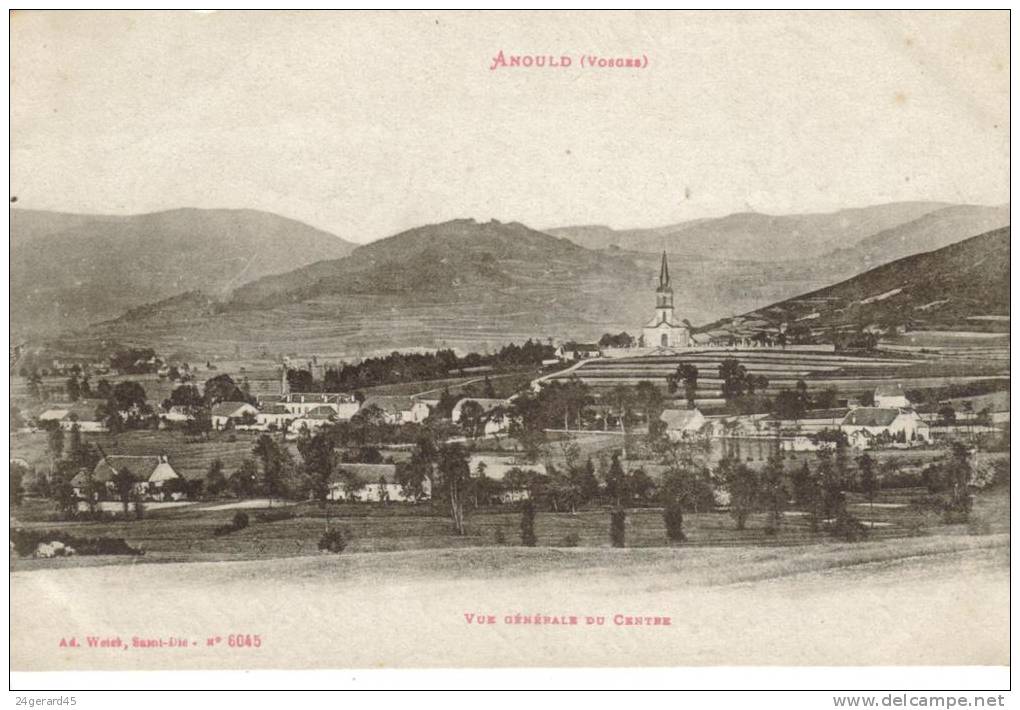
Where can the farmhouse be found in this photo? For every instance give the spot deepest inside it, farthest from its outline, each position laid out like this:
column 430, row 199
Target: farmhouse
column 367, row 482
column 682, row 423
column 569, row 352
column 83, row 415
column 663, row 330
column 312, row 421
column 903, row 425
column 497, row 467
column 178, row 413
column 275, row 415
column 398, row 409
column 231, row 413
column 151, row 474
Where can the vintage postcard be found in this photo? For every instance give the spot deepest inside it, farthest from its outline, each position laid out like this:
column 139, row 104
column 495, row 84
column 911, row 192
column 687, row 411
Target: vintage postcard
column 359, row 340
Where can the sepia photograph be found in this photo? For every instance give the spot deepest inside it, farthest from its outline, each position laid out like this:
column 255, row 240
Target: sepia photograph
column 508, row 340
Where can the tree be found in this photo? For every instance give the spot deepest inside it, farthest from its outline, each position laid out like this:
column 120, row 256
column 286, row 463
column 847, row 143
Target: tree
column 454, row 475
column 773, row 493
column 245, row 479
column 73, row 388
column 744, row 489
column 640, row 485
column 127, row 395
column 869, row 483
column 621, row 400
column 616, row 480
column 528, row 538
column 648, row 399
column 734, row 377
column 413, row 474
column 277, row 467
column 756, row 383
column 55, row 445
column 687, row 375
column 34, row 381
column 802, row 484
column 124, row 482
column 215, row 481
column 789, row 404
column 618, row 527
column 185, row 396
column 319, row 454
column 17, row 482
column 472, row 418
column 947, row 414
column 222, row 388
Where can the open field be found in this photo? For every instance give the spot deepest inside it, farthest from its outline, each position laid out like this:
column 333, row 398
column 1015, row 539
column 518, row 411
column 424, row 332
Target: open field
column 920, row 601
column 185, row 533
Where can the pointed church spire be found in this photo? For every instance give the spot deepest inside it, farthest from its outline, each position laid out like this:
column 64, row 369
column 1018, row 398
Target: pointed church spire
column 664, row 272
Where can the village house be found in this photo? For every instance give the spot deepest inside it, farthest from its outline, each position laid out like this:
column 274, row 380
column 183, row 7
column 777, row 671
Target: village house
column 227, row 414
column 891, row 396
column 497, row 467
column 570, row 352
column 178, row 414
column 399, row 409
column 151, row 474
column 371, row 483
column 682, row 424
column 275, row 416
column 496, row 420
column 865, row 424
column 83, row 415
column 312, row 421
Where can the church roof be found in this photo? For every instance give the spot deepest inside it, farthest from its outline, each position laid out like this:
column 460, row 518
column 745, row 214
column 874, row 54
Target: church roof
column 664, row 284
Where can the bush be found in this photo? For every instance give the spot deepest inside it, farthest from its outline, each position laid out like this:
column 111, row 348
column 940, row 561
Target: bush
column 849, row 528
column 334, row 540
column 617, row 530
column 571, row 539
column 26, row 542
column 499, row 536
column 528, row 538
column 673, row 514
column 238, row 522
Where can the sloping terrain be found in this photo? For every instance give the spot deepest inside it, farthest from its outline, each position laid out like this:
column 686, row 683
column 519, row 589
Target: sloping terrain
column 69, row 270
column 963, row 286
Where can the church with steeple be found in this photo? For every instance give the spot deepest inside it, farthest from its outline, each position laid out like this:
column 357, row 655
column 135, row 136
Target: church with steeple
column 664, row 331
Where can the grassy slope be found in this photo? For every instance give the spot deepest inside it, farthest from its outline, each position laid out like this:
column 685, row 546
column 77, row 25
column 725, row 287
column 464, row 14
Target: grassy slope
column 895, row 602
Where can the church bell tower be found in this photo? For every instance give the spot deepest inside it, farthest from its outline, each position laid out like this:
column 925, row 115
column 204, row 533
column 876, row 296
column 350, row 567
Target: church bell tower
column 664, row 294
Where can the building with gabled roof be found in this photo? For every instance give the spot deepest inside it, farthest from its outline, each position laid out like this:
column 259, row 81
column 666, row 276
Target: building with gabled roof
column 664, row 330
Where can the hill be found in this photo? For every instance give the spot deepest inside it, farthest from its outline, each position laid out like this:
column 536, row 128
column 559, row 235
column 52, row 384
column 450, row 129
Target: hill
column 930, row 231
column 463, row 284
column 68, row 270
column 963, row 286
column 757, row 236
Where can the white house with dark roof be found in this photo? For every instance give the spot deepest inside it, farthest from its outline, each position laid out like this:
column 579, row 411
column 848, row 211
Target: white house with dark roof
column 371, row 483
column 863, row 424
column 151, row 473
column 312, row 421
column 275, row 415
column 226, row 413
column 399, row 409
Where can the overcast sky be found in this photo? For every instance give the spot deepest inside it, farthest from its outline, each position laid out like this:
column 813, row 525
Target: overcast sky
column 368, row 124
